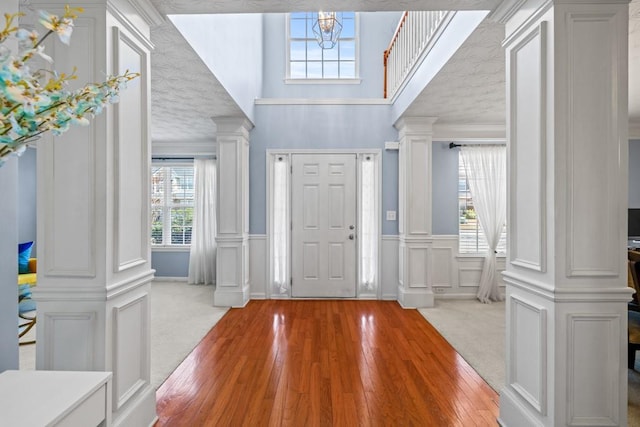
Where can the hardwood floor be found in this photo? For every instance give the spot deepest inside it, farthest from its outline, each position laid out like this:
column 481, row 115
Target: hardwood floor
column 325, row 363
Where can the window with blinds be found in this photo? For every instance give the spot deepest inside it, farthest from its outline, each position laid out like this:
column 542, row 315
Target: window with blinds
column 470, row 235
column 171, row 205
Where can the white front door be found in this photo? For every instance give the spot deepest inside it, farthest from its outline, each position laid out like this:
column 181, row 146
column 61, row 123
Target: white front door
column 323, row 235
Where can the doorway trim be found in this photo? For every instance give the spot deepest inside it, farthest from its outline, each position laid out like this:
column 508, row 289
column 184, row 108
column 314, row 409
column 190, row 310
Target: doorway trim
column 282, row 289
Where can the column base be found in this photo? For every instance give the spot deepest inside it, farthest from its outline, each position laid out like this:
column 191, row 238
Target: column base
column 141, row 411
column 232, row 297
column 412, row 299
column 513, row 413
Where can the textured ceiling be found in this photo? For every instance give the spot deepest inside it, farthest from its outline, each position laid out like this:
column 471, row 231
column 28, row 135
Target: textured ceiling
column 470, row 89
column 185, row 95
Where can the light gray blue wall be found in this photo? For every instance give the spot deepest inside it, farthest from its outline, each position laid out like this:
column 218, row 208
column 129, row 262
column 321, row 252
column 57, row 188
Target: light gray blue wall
column 445, row 189
column 375, row 29
column 170, row 264
column 9, row 265
column 320, row 127
column 27, row 212
column 634, row 173
column 231, row 46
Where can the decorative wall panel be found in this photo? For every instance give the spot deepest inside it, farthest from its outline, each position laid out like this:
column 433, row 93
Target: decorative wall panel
column 593, row 397
column 229, row 256
column 130, row 345
column 418, row 258
column 229, row 215
column 70, row 228
column 527, row 171
column 131, row 216
column 527, row 352
column 593, row 118
column 69, row 341
column 420, row 211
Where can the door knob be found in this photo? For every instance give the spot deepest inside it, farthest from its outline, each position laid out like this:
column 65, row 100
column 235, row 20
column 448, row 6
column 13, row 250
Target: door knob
column 351, row 227
column 351, row 237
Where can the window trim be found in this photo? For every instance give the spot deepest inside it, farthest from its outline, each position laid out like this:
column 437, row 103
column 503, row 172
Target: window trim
column 332, row 81
column 167, row 247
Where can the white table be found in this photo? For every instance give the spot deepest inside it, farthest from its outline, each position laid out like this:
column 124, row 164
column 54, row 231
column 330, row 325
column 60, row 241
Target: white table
column 55, row 398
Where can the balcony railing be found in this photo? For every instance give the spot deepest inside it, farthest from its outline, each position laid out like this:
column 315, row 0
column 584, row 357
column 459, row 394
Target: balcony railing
column 415, row 31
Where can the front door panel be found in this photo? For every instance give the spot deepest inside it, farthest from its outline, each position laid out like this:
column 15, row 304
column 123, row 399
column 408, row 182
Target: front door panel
column 323, row 232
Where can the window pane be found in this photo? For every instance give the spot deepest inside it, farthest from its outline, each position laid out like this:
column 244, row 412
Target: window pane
column 314, row 51
column 330, row 70
column 156, row 226
column 314, row 70
column 348, row 26
column 298, row 51
column 181, row 223
column 330, row 54
column 347, row 50
column 297, row 28
column 347, row 70
column 182, row 185
column 298, row 70
column 157, row 186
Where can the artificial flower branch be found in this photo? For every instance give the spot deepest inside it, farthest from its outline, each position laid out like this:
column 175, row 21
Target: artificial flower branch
column 28, row 106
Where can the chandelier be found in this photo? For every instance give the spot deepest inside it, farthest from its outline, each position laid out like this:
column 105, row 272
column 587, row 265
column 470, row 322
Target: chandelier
column 327, row 29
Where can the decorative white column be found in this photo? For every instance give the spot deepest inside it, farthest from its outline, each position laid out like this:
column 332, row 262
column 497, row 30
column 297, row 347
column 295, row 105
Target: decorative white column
column 414, row 206
column 566, row 274
column 232, row 238
column 94, row 258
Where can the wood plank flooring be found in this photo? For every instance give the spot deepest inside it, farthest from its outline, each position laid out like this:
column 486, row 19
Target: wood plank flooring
column 325, row 363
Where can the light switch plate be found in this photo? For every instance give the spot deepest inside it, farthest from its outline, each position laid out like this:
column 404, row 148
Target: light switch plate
column 391, row 215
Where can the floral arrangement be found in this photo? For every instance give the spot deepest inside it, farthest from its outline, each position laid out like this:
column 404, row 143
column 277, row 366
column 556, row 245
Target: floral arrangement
column 35, row 102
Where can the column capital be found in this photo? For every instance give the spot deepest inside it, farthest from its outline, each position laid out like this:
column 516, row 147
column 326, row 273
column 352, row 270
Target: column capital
column 239, row 126
column 415, row 125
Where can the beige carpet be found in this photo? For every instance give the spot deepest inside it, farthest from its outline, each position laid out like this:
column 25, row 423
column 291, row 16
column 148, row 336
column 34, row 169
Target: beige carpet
column 181, row 315
column 477, row 332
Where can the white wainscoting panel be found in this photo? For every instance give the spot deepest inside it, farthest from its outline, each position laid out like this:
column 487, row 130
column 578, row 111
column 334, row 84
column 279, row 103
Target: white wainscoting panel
column 258, row 266
column 229, row 258
column 64, row 328
column 131, row 218
column 593, row 399
column 389, row 268
column 442, row 260
column 527, row 173
column 418, row 260
column 527, row 351
column 130, row 347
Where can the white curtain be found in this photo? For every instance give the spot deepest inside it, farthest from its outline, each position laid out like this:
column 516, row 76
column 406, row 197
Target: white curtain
column 202, row 258
column 369, row 234
column 280, row 224
column 486, row 169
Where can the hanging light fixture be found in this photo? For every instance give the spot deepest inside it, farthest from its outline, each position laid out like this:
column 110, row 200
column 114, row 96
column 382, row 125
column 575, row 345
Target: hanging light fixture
column 327, row 29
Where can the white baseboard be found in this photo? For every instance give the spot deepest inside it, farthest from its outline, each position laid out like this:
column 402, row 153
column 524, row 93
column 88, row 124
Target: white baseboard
column 170, row 279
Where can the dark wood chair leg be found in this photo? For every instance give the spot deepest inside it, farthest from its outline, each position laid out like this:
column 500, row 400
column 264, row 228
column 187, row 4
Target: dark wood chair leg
column 631, row 358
